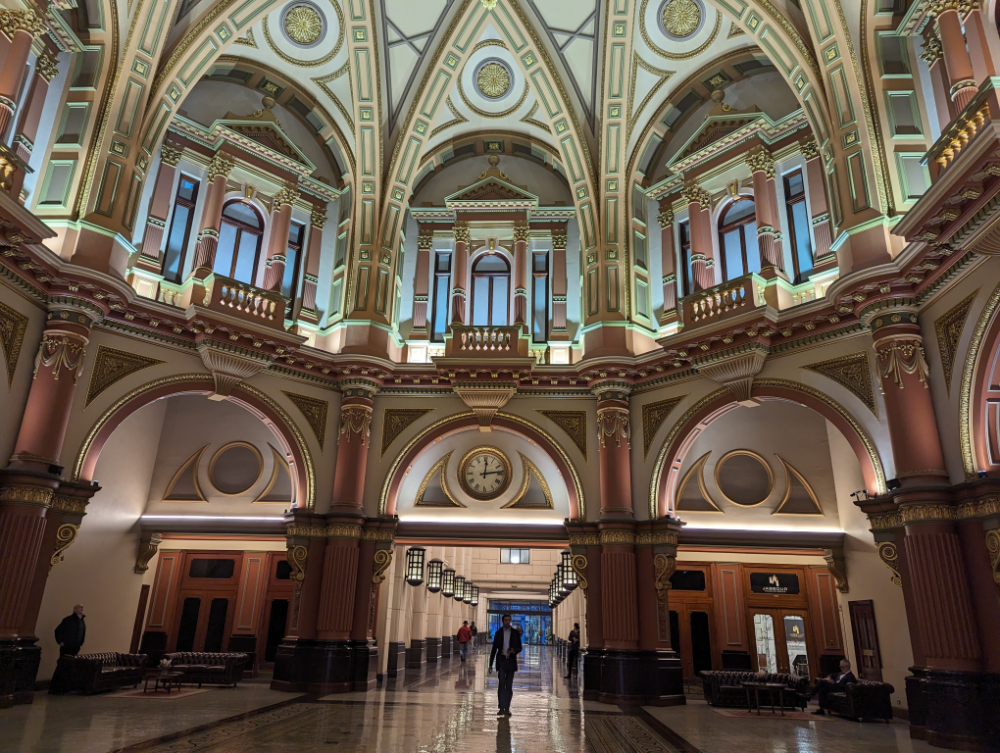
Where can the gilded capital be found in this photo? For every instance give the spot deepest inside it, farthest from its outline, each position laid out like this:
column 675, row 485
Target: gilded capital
column 170, row 153
column 461, row 233
column 521, row 232
column 221, row 164
column 287, row 195
column 933, row 51
column 810, row 149
column 318, row 218
column 665, row 217
column 13, row 21
column 559, row 239
column 759, row 159
column 47, row 67
column 425, row 241
column 695, row 194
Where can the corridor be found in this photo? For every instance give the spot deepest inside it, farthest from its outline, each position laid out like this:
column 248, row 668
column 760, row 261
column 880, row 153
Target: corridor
column 443, row 708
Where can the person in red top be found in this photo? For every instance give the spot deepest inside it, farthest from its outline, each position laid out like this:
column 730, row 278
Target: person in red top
column 464, row 636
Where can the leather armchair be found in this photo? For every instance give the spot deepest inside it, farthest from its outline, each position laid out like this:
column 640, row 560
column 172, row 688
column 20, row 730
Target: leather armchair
column 96, row 673
column 865, row 699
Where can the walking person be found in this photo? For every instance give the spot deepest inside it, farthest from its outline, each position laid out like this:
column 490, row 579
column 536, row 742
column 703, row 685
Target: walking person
column 506, row 647
column 464, row 636
column 574, row 650
column 475, row 638
column 71, row 632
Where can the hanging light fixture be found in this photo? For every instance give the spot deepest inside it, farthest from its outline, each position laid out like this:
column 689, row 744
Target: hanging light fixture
column 448, row 583
column 415, row 565
column 467, row 597
column 434, row 575
column 552, row 595
column 561, row 579
column 475, row 596
column 569, row 574
column 459, row 587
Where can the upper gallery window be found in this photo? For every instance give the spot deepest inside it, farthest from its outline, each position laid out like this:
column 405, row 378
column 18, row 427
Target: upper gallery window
column 180, row 228
column 293, row 259
column 684, row 229
column 490, row 291
column 515, row 556
column 442, row 295
column 239, row 242
column 798, row 225
column 738, row 240
column 540, row 297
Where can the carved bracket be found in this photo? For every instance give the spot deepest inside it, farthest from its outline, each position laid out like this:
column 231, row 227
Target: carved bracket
column 837, row 566
column 663, row 567
column 229, row 369
column 888, row 554
column 383, row 558
column 735, row 371
column 65, row 535
column 485, row 399
column 579, row 563
column 993, row 546
column 148, row 545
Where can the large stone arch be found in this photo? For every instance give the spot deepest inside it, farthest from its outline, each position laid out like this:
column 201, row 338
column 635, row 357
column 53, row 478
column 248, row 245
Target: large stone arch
column 257, row 402
column 464, row 421
column 672, row 452
column 982, row 360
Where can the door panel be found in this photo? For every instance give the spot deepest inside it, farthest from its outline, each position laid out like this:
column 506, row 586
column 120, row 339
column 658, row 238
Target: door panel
column 701, row 641
column 866, row 648
column 781, row 638
column 187, row 630
column 215, row 630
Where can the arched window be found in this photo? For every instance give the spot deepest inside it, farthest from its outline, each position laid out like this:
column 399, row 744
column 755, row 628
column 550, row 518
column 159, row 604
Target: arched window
column 239, row 242
column 490, row 291
column 738, row 240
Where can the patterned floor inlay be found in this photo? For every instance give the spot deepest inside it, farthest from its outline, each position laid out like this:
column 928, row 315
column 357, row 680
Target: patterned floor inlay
column 624, row 734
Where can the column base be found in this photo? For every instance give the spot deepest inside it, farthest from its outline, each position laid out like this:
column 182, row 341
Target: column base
column 592, row 659
column 958, row 710
column 641, row 678
column 315, row 666
column 415, row 656
column 395, row 658
column 19, row 659
column 433, row 649
column 447, row 647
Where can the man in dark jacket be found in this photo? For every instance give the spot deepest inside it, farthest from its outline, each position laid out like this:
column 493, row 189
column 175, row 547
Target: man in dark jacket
column 572, row 661
column 835, row 683
column 71, row 632
column 506, row 647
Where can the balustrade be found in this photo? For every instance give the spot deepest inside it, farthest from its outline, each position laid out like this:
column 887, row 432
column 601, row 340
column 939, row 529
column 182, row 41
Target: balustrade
column 228, row 296
column 729, row 299
column 485, row 342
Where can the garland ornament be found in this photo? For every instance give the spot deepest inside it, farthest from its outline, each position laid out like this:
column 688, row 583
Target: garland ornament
column 355, row 419
column 902, row 355
column 613, row 422
column 57, row 353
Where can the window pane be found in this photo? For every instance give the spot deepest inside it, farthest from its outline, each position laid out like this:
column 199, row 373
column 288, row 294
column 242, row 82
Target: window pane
column 341, row 251
column 295, row 232
column 246, row 257
column 738, row 211
column 733, row 251
column 793, row 185
column 515, row 556
column 640, row 251
column 440, row 308
column 803, row 247
column 186, row 188
column 541, row 263
column 444, row 262
column 540, row 313
column 480, row 301
column 525, row 556
column 490, row 263
column 288, row 280
column 642, row 299
column 767, row 645
column 176, row 241
column 224, row 251
column 242, row 213
column 753, row 250
column 505, row 556
column 336, row 295
column 499, row 318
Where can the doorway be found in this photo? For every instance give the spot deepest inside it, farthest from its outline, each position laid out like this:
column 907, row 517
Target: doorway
column 691, row 637
column 780, row 639
column 200, row 628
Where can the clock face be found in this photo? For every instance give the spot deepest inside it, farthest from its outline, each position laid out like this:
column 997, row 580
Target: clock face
column 484, row 473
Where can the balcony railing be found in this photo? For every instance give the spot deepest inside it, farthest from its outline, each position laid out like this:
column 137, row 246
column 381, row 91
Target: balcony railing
column 227, row 296
column 486, row 342
column 721, row 302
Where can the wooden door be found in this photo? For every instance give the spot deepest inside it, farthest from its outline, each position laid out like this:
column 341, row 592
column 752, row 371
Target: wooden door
column 204, row 620
column 780, row 641
column 866, row 649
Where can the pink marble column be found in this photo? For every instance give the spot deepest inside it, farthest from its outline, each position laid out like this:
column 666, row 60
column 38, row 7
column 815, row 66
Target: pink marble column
column 316, row 222
column 211, row 218
column 277, row 247
column 956, row 57
column 668, row 260
column 700, row 224
column 983, row 65
column 24, row 141
column 559, row 242
column 353, row 440
column 459, row 273
column 761, row 166
column 819, row 209
column 159, row 207
column 421, row 286
column 521, row 274
column 25, row 25
column 614, row 449
column 933, row 55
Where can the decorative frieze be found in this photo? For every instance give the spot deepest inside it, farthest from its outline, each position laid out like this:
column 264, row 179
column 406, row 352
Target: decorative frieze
column 653, row 416
column 584, row 539
column 613, row 423
column 948, row 328
column 616, row 537
column 111, row 366
column 13, row 325
column 314, row 411
column 355, row 419
column 573, row 422
column 656, row 538
column 901, row 354
column 58, row 353
column 396, row 420
column 853, row 373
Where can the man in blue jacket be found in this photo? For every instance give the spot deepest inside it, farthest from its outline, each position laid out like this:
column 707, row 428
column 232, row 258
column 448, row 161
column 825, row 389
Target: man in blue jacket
column 835, row 683
column 506, row 647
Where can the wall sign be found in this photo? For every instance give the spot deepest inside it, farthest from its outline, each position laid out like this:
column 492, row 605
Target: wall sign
column 774, row 583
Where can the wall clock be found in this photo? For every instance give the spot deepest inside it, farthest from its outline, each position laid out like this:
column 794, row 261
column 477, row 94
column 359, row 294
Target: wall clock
column 484, row 473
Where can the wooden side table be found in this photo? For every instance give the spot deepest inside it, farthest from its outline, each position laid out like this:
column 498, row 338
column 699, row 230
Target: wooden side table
column 771, row 688
column 165, row 679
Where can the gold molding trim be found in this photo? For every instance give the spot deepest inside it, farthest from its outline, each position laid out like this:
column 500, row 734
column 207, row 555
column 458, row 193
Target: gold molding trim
column 968, row 374
column 486, row 113
column 192, row 462
column 13, row 325
column 383, row 558
column 440, row 466
column 664, row 566
column 529, row 119
column 65, row 535
column 789, row 472
column 530, row 470
column 457, row 120
column 948, row 328
column 697, row 467
column 217, row 455
column 579, row 564
column 583, row 539
column 277, row 462
column 653, row 416
column 993, row 547
column 397, row 420
column 890, row 558
column 314, row 411
column 311, row 63
column 750, row 454
column 674, row 55
column 573, row 422
column 111, row 366
column 467, row 458
column 615, row 537
column 853, row 372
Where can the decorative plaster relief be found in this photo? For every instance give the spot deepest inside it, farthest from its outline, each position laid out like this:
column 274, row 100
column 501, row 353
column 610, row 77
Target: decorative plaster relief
column 395, row 421
column 573, row 422
column 13, row 325
column 315, row 412
column 653, row 416
column 112, row 365
column 949, row 328
column 530, row 470
column 853, row 373
column 438, row 470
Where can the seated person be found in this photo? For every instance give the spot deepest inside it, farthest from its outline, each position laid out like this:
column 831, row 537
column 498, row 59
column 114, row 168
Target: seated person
column 834, row 683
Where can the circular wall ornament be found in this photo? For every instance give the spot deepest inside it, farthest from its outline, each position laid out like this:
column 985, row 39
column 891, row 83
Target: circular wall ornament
column 680, row 18
column 744, row 478
column 484, row 473
column 494, row 79
column 654, row 22
column 304, row 25
column 235, row 468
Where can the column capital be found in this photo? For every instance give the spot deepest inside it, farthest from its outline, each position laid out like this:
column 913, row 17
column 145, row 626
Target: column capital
column 665, row 217
column 521, row 232
column 170, row 153
column 461, row 232
column 317, row 218
column 933, row 51
column 13, row 21
column 759, row 159
column 559, row 239
column 809, row 148
column 425, row 241
column 936, row 7
column 47, row 67
column 286, row 195
column 693, row 193
column 221, row 165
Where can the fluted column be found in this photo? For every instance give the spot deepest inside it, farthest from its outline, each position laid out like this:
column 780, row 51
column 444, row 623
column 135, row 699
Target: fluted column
column 559, row 243
column 159, row 207
column 22, row 26
column 211, row 218
column 665, row 219
column 459, row 275
column 933, row 55
column 819, row 209
column 277, row 247
column 335, row 617
column 24, row 141
column 700, row 224
column 614, row 443
column 353, row 440
column 656, row 560
column 313, row 253
column 983, row 65
column 521, row 274
column 957, row 62
column 761, row 166
column 421, row 286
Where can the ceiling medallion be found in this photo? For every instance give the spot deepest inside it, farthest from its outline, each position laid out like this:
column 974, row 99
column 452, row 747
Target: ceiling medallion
column 493, row 79
column 680, row 18
column 304, row 25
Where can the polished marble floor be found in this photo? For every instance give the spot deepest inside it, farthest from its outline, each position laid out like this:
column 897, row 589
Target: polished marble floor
column 443, row 708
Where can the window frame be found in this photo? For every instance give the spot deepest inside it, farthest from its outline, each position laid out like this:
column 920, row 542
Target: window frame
column 740, row 225
column 441, row 277
column 535, row 276
column 684, row 246
column 524, row 555
column 242, row 227
column 790, row 202
column 189, row 204
column 298, row 248
column 492, row 276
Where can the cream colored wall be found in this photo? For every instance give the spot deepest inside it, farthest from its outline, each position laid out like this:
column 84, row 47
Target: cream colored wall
column 14, row 395
column 98, row 569
column 867, row 576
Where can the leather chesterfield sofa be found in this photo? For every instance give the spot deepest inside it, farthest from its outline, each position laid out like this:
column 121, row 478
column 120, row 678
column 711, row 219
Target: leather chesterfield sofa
column 725, row 687
column 201, row 667
column 97, row 673
column 865, row 699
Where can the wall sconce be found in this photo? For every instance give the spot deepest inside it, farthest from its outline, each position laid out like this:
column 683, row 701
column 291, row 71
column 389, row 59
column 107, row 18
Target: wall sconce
column 448, row 583
column 552, row 593
column 459, row 587
column 561, row 580
column 475, row 596
column 415, row 565
column 569, row 574
column 434, row 575
column 467, row 597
